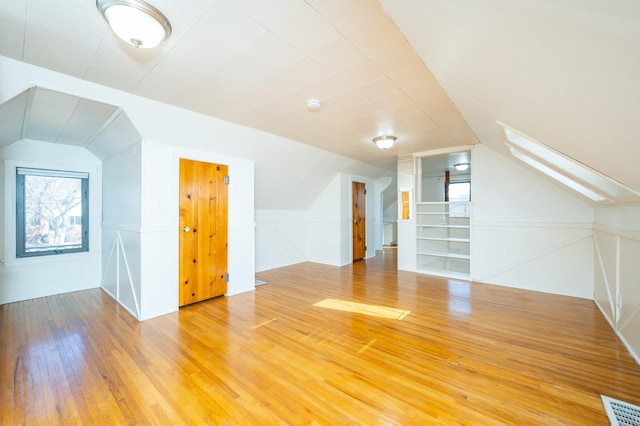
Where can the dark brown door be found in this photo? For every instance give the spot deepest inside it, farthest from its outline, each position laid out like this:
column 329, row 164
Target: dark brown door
column 203, row 231
column 359, row 221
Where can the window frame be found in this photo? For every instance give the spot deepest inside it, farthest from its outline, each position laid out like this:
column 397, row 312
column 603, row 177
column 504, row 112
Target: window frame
column 20, row 211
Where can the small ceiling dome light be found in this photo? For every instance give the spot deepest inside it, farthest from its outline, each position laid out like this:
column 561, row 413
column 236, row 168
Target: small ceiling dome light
column 461, row 167
column 135, row 21
column 384, row 142
column 313, row 105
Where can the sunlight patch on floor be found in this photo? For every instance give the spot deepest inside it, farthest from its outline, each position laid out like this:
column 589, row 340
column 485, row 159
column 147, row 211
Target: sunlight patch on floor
column 362, row 308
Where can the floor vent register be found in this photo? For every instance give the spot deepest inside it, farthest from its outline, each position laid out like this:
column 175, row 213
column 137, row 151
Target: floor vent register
column 621, row 413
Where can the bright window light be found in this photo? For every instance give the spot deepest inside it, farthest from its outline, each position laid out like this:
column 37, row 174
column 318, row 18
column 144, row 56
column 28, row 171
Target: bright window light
column 557, row 176
column 460, row 191
column 564, row 169
column 52, row 212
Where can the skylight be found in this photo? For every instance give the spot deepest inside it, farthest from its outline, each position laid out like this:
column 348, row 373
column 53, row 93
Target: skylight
column 578, row 177
column 557, row 176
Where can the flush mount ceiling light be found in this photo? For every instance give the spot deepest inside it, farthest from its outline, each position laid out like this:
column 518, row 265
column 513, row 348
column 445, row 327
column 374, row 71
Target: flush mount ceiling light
column 313, row 105
column 384, row 142
column 461, row 167
column 135, row 21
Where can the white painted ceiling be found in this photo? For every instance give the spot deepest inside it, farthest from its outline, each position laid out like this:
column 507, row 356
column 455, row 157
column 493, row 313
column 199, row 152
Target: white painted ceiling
column 564, row 72
column 51, row 116
column 257, row 62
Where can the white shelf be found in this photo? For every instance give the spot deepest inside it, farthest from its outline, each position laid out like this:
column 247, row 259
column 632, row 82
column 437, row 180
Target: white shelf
column 452, row 240
column 449, row 255
column 443, row 213
column 440, row 203
column 445, row 226
column 446, row 274
column 443, row 247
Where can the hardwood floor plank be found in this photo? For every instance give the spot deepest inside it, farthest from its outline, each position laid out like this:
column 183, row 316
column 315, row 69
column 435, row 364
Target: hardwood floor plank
column 360, row 344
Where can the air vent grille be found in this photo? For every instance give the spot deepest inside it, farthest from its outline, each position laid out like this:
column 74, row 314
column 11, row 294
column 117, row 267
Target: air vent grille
column 621, row 413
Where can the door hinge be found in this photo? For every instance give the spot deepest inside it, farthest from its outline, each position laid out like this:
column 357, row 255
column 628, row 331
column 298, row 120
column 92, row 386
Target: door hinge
column 365, row 248
column 226, row 180
column 225, row 277
column 365, row 192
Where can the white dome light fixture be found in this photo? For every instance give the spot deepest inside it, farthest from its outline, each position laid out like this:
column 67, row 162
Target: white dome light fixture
column 136, row 22
column 461, row 167
column 313, row 105
column 384, row 142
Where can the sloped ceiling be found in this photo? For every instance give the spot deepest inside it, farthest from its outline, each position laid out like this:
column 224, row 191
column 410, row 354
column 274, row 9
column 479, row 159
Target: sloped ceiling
column 51, row 116
column 256, row 63
column 565, row 73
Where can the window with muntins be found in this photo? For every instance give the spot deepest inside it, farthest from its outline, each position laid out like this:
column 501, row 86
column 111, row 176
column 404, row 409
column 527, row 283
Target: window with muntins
column 52, row 212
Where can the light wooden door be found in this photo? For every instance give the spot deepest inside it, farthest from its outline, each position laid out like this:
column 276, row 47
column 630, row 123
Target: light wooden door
column 359, row 220
column 203, row 231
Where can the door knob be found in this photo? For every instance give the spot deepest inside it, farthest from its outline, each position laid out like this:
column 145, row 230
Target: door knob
column 186, row 229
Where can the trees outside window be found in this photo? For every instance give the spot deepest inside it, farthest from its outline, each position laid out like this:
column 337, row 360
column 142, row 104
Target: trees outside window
column 52, row 212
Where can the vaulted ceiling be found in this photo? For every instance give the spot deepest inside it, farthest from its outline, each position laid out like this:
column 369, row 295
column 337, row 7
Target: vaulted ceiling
column 565, row 73
column 257, row 63
column 435, row 74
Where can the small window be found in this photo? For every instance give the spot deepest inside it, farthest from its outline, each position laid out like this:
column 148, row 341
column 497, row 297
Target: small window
column 52, row 212
column 460, row 191
column 459, row 197
column 406, row 205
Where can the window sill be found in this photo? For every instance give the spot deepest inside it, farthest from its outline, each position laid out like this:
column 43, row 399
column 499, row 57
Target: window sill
column 54, row 258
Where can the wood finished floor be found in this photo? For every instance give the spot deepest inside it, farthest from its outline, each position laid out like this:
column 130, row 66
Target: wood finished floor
column 463, row 354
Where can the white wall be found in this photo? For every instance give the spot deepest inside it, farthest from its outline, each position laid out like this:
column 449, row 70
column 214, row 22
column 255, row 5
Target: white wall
column 617, row 270
column 141, row 225
column 432, row 189
column 281, row 238
column 28, row 278
column 289, row 176
column 382, row 187
column 325, row 219
column 407, row 227
column 390, row 221
column 322, row 233
column 527, row 232
column 121, row 232
column 150, row 240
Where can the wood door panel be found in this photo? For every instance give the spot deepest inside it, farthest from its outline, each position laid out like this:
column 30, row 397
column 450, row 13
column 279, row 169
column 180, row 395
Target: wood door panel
column 203, row 231
column 207, row 224
column 188, row 256
column 359, row 220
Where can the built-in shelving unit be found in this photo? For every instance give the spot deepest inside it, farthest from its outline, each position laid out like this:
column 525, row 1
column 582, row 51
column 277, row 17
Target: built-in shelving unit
column 443, row 238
